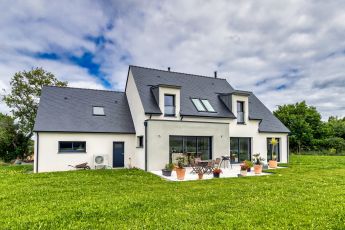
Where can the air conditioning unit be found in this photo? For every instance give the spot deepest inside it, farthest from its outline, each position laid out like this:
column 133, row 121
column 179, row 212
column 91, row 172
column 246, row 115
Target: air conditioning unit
column 100, row 161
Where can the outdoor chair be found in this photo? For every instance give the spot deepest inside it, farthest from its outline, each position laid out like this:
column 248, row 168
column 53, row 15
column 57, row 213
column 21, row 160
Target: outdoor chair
column 194, row 166
column 80, row 166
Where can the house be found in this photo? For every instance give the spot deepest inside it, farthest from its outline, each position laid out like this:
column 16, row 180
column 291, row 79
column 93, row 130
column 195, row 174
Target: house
column 161, row 115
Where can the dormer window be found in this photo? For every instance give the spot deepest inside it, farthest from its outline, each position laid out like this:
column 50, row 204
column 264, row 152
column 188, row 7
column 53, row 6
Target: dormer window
column 203, row 105
column 98, row 111
column 169, row 105
column 240, row 112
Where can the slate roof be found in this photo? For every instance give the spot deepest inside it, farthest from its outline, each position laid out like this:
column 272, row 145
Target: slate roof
column 64, row 109
column 195, row 86
column 192, row 86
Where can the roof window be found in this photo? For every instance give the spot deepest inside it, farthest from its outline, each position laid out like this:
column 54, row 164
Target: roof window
column 98, row 111
column 203, row 105
column 207, row 105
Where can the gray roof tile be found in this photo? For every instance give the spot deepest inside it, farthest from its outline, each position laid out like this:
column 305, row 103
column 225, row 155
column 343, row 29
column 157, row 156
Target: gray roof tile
column 64, row 109
column 194, row 86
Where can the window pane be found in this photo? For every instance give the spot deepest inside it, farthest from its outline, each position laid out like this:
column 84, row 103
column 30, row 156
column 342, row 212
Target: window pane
column 79, row 146
column 240, row 106
column 65, row 146
column 204, row 148
column 97, row 110
column 271, row 149
column 234, row 149
column 208, row 106
column 176, row 148
column 244, row 149
column 198, row 105
column 169, row 100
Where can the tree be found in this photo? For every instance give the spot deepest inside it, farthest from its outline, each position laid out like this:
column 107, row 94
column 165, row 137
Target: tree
column 304, row 123
column 23, row 99
column 338, row 126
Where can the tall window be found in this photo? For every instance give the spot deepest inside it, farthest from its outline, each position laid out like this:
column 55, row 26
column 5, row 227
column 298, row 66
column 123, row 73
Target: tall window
column 140, row 141
column 240, row 149
column 240, row 112
column 169, row 105
column 72, row 146
column 273, row 149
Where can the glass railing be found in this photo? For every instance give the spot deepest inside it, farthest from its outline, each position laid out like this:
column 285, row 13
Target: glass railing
column 169, row 110
column 240, row 117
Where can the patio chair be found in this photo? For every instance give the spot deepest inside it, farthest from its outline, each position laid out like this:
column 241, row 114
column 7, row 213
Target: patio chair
column 194, row 166
column 210, row 167
column 80, row 166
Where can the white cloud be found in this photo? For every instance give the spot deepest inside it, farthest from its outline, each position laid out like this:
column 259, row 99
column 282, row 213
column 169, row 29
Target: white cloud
column 298, row 45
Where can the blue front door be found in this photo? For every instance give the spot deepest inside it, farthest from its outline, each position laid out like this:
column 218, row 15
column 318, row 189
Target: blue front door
column 118, row 154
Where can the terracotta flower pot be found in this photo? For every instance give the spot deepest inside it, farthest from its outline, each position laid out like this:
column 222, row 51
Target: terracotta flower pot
column 180, row 172
column 243, row 172
column 257, row 169
column 273, row 164
column 200, row 176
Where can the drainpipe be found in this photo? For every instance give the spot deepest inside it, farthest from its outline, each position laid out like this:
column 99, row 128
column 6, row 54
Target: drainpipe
column 145, row 124
column 37, row 150
column 288, row 148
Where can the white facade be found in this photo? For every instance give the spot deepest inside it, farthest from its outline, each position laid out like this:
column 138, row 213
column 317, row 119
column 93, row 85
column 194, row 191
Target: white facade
column 156, row 131
column 50, row 159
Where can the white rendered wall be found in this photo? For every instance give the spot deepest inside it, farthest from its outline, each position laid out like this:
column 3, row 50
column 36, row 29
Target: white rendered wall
column 160, row 130
column 49, row 159
column 138, row 116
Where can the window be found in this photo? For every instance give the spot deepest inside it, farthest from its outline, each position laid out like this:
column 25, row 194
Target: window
column 240, row 112
column 240, row 149
column 72, row 146
column 207, row 105
column 197, row 103
column 190, row 147
column 140, row 141
column 169, row 105
column 273, row 149
column 98, row 111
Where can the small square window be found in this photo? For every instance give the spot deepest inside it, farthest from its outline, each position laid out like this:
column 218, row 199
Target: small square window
column 98, row 111
column 140, row 140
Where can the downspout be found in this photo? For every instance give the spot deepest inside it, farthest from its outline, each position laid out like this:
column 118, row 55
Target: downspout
column 145, row 124
column 288, row 148
column 37, row 150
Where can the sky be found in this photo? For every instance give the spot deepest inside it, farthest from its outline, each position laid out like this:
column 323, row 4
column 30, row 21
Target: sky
column 283, row 51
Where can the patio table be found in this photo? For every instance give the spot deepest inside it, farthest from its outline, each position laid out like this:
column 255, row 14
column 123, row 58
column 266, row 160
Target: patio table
column 204, row 166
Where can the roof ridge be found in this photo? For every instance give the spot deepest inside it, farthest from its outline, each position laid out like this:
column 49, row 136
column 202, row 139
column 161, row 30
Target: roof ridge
column 68, row 87
column 195, row 75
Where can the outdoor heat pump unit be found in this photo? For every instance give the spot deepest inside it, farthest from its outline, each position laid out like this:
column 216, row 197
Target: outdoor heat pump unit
column 100, row 161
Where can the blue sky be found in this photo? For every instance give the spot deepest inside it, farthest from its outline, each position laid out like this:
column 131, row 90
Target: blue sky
column 284, row 51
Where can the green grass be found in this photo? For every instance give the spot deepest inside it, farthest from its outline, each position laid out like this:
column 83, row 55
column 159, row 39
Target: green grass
column 310, row 194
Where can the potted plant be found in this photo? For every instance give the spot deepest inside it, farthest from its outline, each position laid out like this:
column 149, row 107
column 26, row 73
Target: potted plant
column 168, row 169
column 249, row 165
column 217, row 172
column 244, row 168
column 273, row 163
column 200, row 173
column 180, row 170
column 258, row 161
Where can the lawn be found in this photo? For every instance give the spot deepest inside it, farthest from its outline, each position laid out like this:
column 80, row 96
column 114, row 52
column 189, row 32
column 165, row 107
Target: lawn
column 310, row 194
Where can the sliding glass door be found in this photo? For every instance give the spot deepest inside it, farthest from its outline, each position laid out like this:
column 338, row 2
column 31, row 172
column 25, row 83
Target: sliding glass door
column 240, row 149
column 190, row 147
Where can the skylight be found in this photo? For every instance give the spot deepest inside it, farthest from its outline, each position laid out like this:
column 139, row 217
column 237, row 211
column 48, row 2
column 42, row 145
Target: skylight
column 207, row 105
column 198, row 105
column 98, row 110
